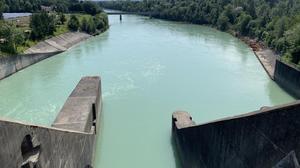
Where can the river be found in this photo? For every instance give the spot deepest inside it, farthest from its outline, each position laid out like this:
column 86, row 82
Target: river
column 149, row 69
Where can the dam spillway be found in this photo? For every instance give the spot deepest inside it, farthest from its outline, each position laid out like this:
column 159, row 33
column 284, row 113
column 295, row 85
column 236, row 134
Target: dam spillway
column 149, row 69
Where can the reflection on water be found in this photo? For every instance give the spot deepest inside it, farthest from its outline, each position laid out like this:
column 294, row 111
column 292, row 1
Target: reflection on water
column 148, row 68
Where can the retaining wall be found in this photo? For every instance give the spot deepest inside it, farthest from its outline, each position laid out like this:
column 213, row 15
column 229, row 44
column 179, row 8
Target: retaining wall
column 12, row 64
column 58, row 43
column 32, row 146
column 45, row 49
column 266, row 138
column 288, row 78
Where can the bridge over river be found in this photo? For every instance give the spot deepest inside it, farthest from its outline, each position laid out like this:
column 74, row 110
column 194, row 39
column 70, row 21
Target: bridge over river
column 129, row 13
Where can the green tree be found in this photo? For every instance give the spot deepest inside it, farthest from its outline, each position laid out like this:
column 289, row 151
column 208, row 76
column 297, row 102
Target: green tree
column 242, row 23
column 223, row 22
column 251, row 8
column 229, row 13
column 101, row 21
column 91, row 8
column 13, row 38
column 28, row 6
column 73, row 23
column 280, row 26
column 84, row 25
column 2, row 6
column 42, row 24
column 91, row 28
column 62, row 18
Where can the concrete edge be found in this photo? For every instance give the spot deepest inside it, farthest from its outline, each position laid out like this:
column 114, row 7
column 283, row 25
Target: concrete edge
column 19, row 57
column 43, row 127
column 262, row 111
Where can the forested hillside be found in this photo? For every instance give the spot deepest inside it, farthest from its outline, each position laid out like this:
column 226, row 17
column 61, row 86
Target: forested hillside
column 55, row 5
column 274, row 22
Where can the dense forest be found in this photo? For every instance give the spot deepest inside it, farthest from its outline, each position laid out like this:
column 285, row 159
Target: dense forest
column 274, row 22
column 49, row 18
column 55, row 5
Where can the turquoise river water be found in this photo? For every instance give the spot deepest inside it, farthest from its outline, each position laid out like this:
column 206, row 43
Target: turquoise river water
column 149, row 69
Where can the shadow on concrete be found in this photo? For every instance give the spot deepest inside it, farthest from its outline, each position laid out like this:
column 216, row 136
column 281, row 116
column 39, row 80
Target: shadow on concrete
column 175, row 153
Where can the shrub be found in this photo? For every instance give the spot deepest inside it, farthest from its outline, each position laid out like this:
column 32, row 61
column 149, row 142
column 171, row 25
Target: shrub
column 73, row 23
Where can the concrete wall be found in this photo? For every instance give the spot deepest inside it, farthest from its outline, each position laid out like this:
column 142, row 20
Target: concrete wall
column 58, row 43
column 288, row 78
column 79, row 113
column 45, row 49
column 31, row 146
column 265, row 138
column 12, row 64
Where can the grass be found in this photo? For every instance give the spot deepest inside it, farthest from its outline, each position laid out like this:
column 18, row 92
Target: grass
column 61, row 29
column 28, row 44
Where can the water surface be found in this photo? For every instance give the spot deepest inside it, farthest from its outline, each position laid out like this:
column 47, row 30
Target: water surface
column 149, row 69
column 14, row 15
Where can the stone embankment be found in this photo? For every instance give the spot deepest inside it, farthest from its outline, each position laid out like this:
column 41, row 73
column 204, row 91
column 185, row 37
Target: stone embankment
column 287, row 76
column 45, row 49
column 266, row 56
column 58, row 43
column 265, row 138
column 66, row 144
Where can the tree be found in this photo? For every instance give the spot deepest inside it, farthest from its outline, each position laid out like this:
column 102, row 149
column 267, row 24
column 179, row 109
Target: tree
column 229, row 12
column 28, row 6
column 101, row 21
column 91, row 28
column 62, row 18
column 223, row 22
column 73, row 23
column 75, row 7
column 242, row 25
column 13, row 38
column 251, row 8
column 280, row 26
column 84, row 25
column 2, row 5
column 91, row 8
column 42, row 24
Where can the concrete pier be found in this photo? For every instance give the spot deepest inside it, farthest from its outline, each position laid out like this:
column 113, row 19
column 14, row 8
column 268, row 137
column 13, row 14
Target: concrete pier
column 265, row 138
column 70, row 143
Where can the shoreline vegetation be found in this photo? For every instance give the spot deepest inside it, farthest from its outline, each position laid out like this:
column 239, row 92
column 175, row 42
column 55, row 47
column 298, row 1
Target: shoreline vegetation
column 49, row 19
column 270, row 28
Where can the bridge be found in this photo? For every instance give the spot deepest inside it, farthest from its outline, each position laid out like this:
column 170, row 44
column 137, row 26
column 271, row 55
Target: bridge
column 130, row 13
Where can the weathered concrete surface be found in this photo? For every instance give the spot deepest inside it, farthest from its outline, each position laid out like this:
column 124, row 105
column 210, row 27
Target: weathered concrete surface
column 267, row 58
column 45, row 49
column 288, row 78
column 263, row 138
column 59, row 43
column 27, row 146
column 12, row 64
column 79, row 111
column 290, row 161
column 58, row 148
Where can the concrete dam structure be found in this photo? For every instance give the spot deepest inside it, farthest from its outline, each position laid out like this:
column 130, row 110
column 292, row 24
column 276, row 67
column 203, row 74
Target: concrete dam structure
column 288, row 77
column 261, row 139
column 69, row 143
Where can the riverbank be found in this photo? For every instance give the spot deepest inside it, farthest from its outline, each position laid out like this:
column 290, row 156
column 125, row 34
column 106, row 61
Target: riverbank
column 43, row 50
column 266, row 56
column 58, row 43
